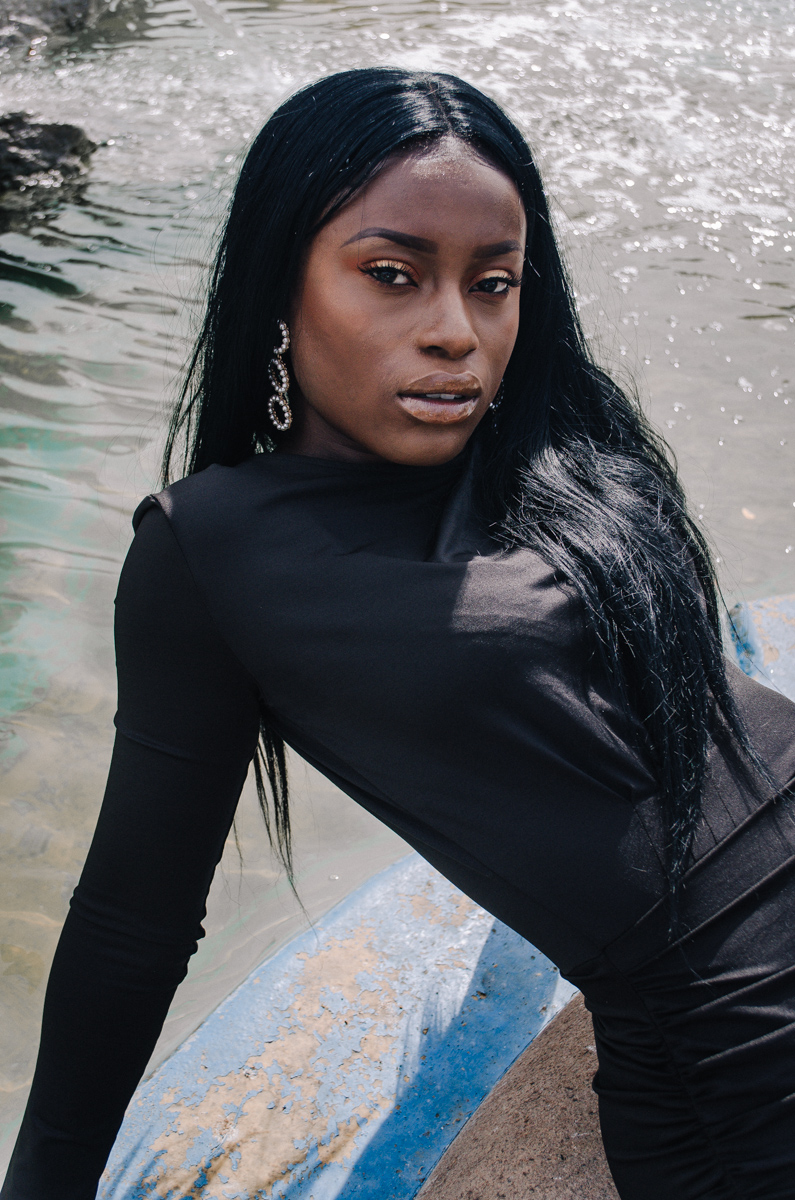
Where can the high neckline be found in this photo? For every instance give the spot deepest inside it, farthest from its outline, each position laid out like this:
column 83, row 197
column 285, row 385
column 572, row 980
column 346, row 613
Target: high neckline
column 379, row 470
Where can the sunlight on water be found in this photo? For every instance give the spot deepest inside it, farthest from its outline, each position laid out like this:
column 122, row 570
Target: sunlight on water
column 665, row 135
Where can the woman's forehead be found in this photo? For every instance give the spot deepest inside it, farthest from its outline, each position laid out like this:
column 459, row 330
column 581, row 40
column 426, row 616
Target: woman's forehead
column 440, row 192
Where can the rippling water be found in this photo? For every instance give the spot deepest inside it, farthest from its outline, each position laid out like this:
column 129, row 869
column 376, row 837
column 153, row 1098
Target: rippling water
column 665, row 134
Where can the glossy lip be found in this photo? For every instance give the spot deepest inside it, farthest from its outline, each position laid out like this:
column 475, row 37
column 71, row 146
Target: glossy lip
column 441, row 399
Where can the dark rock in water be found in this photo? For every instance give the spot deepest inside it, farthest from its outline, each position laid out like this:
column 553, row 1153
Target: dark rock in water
column 40, row 156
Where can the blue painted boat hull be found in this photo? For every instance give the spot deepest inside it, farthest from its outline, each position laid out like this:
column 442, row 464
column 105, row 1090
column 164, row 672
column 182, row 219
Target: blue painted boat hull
column 344, row 1066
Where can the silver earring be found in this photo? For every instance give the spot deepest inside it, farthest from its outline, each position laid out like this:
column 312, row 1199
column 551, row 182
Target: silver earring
column 279, row 409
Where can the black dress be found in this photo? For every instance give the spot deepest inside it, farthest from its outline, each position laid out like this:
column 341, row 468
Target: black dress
column 448, row 686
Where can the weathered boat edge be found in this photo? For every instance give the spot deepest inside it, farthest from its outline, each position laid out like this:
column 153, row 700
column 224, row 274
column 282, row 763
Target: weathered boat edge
column 762, row 635
column 345, row 1065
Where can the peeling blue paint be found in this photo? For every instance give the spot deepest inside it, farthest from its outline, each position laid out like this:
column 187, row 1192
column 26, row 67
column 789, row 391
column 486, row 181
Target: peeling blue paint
column 763, row 636
column 343, row 1067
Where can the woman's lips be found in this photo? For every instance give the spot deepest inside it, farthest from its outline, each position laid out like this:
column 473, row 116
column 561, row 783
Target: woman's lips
column 443, row 408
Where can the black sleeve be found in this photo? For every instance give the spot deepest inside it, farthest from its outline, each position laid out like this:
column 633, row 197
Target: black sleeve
column 187, row 725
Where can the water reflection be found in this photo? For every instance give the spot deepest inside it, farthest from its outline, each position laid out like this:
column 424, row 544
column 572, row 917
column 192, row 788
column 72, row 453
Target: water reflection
column 664, row 132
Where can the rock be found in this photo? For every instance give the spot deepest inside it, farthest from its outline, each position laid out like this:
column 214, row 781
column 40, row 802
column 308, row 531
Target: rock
column 536, row 1135
column 40, row 156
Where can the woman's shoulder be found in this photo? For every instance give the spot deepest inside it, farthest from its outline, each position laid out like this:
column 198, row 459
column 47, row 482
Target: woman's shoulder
column 202, row 494
column 219, row 516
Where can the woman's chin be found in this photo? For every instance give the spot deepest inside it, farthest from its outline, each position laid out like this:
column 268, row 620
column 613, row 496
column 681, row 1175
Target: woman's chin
column 430, row 444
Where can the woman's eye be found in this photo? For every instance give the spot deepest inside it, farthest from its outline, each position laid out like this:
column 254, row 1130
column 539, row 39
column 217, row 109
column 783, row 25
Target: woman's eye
column 392, row 273
column 495, row 285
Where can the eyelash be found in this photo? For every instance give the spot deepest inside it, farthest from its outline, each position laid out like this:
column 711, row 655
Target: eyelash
column 387, row 264
column 401, row 269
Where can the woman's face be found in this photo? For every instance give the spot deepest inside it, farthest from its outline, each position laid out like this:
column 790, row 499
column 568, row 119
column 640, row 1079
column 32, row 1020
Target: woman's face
column 407, row 310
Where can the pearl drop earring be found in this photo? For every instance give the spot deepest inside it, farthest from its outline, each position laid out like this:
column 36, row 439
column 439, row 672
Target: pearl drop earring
column 279, row 409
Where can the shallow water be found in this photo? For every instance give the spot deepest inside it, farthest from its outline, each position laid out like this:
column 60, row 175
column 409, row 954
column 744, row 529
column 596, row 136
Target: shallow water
column 665, row 135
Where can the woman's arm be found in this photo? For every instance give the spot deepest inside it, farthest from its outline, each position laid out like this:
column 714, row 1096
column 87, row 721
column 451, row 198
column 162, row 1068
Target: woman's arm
column 187, row 726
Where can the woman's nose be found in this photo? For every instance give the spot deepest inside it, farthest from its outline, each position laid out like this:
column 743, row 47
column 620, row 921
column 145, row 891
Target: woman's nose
column 448, row 328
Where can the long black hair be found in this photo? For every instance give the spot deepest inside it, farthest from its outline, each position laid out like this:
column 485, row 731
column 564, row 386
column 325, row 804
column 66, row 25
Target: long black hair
column 571, row 468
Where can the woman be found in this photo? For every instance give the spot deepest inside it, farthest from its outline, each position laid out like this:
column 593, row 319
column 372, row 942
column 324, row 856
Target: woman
column 424, row 540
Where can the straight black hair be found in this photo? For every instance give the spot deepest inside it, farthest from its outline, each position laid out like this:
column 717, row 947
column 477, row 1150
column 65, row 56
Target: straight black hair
column 570, row 467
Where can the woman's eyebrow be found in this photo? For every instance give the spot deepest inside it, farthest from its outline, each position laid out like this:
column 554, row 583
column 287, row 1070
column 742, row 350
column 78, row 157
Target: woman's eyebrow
column 429, row 247
column 495, row 248
column 392, row 235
